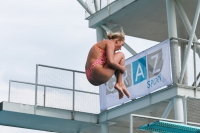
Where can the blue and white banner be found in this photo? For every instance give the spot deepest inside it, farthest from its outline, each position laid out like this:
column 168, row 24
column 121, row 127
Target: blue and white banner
column 146, row 72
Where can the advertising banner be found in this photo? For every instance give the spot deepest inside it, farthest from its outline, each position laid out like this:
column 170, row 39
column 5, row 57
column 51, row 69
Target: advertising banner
column 146, row 72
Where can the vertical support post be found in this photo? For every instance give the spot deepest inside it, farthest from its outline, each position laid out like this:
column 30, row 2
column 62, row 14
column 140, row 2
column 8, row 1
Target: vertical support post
column 183, row 48
column 185, row 109
column 192, row 32
column 73, row 96
column 195, row 70
column 131, row 124
column 178, row 109
column 96, row 5
column 99, row 34
column 104, row 127
column 171, row 18
column 172, row 32
column 44, row 96
column 100, row 4
column 36, row 83
column 9, row 91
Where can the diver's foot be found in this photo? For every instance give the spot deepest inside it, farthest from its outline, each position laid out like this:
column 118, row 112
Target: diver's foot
column 120, row 91
column 125, row 90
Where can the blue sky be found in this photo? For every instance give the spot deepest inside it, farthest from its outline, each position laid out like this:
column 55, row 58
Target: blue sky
column 45, row 32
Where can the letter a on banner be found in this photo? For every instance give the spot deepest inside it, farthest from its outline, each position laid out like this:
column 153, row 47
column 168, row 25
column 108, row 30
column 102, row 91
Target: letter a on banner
column 139, row 72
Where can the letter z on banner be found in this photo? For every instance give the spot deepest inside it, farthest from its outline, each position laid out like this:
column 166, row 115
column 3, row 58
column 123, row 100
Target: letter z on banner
column 146, row 72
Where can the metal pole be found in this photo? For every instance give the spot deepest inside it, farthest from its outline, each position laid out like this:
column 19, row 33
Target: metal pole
column 185, row 109
column 36, row 82
column 195, row 70
column 85, row 6
column 190, row 42
column 9, row 91
column 96, row 5
column 73, row 96
column 61, row 68
column 131, row 124
column 172, row 32
column 184, row 18
column 127, row 47
column 106, row 28
column 168, row 109
column 104, row 127
column 99, row 34
column 178, row 109
column 171, row 18
column 100, row 4
column 44, row 96
column 186, row 23
column 183, row 47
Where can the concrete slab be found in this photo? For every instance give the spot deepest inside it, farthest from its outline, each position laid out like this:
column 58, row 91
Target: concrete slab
column 144, row 18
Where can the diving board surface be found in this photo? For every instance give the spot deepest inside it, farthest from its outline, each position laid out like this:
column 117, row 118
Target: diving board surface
column 169, row 127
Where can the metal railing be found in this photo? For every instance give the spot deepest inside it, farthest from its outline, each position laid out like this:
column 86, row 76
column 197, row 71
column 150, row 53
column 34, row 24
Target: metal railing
column 191, row 116
column 94, row 6
column 57, row 88
column 61, row 83
column 193, row 62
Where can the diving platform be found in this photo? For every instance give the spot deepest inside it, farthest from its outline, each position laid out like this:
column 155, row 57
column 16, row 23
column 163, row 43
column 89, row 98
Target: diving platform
column 117, row 118
column 143, row 18
column 46, row 119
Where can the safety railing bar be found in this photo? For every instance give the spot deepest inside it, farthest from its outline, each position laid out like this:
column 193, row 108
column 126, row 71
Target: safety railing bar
column 61, row 68
column 193, row 97
column 22, row 82
column 55, row 87
column 156, row 118
column 73, row 101
column 87, row 92
column 198, row 88
column 105, row 6
column 67, row 89
column 193, row 123
column 101, row 9
column 76, row 110
column 183, row 40
column 9, row 91
column 36, row 82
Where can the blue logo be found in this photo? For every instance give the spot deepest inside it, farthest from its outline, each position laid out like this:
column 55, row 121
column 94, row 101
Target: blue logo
column 139, row 70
